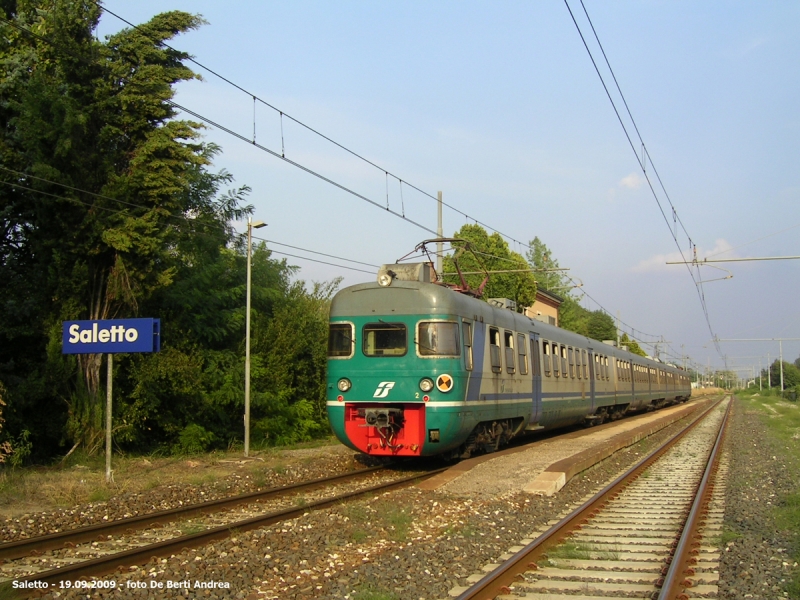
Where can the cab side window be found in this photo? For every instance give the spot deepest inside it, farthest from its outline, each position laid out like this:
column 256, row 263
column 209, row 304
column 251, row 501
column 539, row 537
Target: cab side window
column 466, row 331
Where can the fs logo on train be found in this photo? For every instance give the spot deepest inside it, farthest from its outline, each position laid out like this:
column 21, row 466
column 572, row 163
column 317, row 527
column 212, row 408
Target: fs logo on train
column 384, row 387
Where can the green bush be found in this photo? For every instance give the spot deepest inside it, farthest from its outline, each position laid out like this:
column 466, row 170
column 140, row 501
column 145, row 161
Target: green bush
column 193, row 439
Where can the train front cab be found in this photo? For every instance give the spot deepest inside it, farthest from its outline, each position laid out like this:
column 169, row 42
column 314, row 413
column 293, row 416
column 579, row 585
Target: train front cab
column 396, row 383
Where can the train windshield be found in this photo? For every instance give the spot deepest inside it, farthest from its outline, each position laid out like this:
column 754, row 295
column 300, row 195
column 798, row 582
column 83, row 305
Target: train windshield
column 385, row 339
column 438, row 338
column 340, row 340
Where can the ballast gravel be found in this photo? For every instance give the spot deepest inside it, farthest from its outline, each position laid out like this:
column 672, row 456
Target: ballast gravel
column 419, row 545
column 757, row 563
column 336, row 460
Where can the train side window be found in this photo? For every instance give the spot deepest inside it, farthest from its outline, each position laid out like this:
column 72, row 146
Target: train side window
column 535, row 358
column 467, row 335
column 508, row 346
column 571, row 355
column 563, row 361
column 494, row 349
column 556, row 361
column 522, row 348
column 546, row 357
column 607, row 370
column 585, row 364
column 597, row 366
column 340, row 340
column 578, row 362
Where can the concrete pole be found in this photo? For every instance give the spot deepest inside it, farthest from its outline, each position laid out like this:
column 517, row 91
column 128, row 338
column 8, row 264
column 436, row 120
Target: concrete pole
column 247, row 343
column 109, row 381
column 439, row 233
column 769, row 372
column 250, row 226
column 780, row 345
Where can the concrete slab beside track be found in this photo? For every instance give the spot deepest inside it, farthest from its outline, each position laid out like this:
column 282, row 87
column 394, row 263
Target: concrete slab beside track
column 545, row 466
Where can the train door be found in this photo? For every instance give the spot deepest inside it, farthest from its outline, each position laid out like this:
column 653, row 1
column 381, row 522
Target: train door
column 536, row 374
column 592, row 367
column 478, row 331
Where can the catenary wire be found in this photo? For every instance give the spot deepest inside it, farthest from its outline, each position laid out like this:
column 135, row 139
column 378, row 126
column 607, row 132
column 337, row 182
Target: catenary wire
column 186, row 220
column 310, row 171
column 314, row 131
column 698, row 286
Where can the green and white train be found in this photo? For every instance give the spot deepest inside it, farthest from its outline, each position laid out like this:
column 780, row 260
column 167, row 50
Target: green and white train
column 416, row 368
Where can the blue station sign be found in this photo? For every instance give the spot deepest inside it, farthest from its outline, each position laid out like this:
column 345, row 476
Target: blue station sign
column 111, row 336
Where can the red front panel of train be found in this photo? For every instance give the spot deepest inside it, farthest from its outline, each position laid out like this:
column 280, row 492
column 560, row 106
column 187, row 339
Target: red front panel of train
column 382, row 430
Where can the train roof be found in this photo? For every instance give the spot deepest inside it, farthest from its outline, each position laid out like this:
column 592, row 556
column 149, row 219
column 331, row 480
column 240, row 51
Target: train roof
column 419, row 297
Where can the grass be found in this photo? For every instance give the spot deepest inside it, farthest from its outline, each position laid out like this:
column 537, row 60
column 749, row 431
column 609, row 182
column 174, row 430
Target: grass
column 782, row 419
column 100, row 494
column 728, row 536
column 399, row 522
column 377, row 519
column 80, row 478
column 576, row 551
column 370, row 591
column 189, row 528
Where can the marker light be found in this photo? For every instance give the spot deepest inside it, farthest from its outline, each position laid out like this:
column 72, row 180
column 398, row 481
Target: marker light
column 344, row 384
column 426, row 384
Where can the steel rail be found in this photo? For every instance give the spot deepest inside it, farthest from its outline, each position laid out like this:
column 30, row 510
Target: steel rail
column 107, row 564
column 37, row 545
column 499, row 581
column 674, row 581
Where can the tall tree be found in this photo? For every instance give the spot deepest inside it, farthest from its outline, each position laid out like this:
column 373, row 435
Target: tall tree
column 601, row 326
column 632, row 345
column 94, row 116
column 492, row 254
column 545, row 266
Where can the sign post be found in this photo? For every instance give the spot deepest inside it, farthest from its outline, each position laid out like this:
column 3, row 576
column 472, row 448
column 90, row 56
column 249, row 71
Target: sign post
column 112, row 336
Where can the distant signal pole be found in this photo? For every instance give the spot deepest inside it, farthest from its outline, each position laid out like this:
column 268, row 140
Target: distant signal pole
column 780, row 346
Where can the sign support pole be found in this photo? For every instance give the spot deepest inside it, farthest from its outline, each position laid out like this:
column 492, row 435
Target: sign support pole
column 109, row 378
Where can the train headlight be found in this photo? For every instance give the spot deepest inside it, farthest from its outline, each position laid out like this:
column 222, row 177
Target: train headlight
column 344, row 384
column 426, row 384
column 385, row 279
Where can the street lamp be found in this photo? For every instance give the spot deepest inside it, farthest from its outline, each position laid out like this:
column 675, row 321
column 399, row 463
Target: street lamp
column 250, row 226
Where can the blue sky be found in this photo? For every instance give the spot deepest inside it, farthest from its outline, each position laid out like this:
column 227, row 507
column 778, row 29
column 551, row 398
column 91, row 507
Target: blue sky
column 498, row 105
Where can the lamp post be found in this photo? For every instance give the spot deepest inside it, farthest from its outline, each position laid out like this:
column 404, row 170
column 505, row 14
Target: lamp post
column 250, row 226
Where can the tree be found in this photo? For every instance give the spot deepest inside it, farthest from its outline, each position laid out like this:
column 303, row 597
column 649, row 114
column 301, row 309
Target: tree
column 632, row 345
column 492, row 254
column 94, row 116
column 791, row 375
column 541, row 260
column 601, row 326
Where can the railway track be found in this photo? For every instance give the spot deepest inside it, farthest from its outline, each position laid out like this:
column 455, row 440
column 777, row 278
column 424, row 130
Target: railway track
column 652, row 533
column 97, row 550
